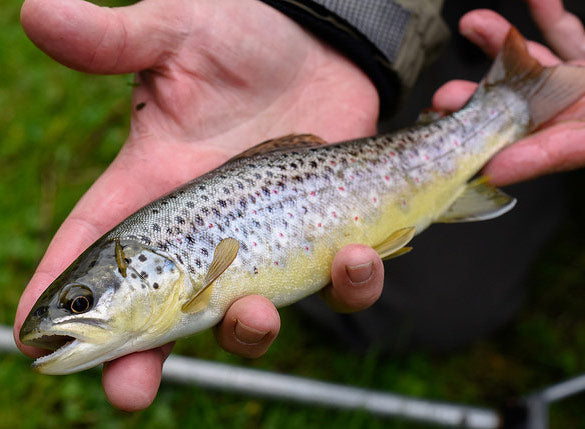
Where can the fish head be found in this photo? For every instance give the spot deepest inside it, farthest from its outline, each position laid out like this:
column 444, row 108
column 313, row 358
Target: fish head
column 119, row 296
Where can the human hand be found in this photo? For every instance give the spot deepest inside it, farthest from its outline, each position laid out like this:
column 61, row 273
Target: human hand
column 558, row 144
column 214, row 78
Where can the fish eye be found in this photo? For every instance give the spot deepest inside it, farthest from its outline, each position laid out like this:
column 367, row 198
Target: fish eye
column 77, row 299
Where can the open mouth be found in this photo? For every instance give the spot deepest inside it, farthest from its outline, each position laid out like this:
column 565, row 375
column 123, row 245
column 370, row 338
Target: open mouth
column 61, row 346
column 58, row 345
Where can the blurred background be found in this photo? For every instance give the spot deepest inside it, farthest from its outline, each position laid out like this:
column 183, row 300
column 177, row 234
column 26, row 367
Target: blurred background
column 59, row 129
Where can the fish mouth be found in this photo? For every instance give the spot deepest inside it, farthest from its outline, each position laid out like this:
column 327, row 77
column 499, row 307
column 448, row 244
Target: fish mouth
column 68, row 351
column 59, row 345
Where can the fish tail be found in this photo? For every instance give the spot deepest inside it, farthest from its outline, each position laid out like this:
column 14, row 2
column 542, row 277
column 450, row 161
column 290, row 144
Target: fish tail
column 547, row 90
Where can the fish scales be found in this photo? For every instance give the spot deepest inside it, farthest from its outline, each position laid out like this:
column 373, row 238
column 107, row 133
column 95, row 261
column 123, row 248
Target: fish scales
column 270, row 221
column 315, row 201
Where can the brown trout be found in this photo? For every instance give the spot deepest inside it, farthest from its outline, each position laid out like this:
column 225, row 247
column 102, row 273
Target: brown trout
column 270, row 220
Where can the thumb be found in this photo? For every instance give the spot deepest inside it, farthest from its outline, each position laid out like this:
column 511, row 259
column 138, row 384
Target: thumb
column 96, row 39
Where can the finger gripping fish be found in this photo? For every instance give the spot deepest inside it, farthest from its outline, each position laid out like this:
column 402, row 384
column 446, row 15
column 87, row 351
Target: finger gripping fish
column 270, row 220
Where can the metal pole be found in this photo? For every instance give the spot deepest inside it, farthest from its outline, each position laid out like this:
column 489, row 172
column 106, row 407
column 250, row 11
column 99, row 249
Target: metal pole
column 220, row 376
column 304, row 390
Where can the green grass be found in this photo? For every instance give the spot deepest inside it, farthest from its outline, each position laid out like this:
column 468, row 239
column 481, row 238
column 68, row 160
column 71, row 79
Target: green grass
column 60, row 129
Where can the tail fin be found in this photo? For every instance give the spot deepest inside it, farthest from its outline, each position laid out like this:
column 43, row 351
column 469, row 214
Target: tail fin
column 548, row 90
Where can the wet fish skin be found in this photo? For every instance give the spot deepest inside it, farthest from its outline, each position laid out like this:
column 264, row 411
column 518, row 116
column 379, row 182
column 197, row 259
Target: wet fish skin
column 290, row 204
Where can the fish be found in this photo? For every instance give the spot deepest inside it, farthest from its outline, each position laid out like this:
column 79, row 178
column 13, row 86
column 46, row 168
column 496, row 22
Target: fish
column 270, row 220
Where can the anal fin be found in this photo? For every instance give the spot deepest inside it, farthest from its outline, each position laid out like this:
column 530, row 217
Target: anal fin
column 393, row 246
column 479, row 201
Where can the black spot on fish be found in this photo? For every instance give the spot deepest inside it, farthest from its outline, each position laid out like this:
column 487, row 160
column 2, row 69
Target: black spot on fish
column 180, row 220
column 145, row 239
column 255, row 270
column 215, row 211
column 133, row 275
column 198, row 263
column 205, row 211
column 158, row 269
column 266, row 191
column 204, row 252
column 170, row 230
column 313, row 164
column 155, row 285
column 257, row 176
column 293, row 165
column 202, row 187
column 252, row 199
column 154, row 211
column 128, row 260
column 92, row 264
column 243, row 203
column 179, row 259
column 142, row 258
column 240, row 185
column 190, row 204
column 189, row 239
column 204, row 197
column 199, row 220
column 244, row 247
column 191, row 269
column 226, row 191
column 222, row 203
column 143, row 274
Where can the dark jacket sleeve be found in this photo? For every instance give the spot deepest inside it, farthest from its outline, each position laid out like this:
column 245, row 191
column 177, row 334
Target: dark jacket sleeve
column 391, row 40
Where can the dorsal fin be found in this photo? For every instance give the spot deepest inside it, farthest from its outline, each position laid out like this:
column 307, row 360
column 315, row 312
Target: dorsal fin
column 225, row 253
column 290, row 141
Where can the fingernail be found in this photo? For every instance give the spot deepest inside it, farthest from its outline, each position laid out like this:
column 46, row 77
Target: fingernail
column 359, row 274
column 248, row 335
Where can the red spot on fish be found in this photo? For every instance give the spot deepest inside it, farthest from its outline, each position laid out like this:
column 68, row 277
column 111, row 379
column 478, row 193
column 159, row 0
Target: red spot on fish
column 254, row 244
column 375, row 199
column 319, row 225
column 356, row 218
column 392, row 153
column 280, row 234
column 307, row 248
column 386, row 178
column 332, row 162
column 341, row 188
column 275, row 262
column 312, row 193
column 352, row 160
column 179, row 240
column 416, row 179
column 275, row 191
column 333, row 214
column 210, row 225
column 456, row 143
column 290, row 214
column 255, row 212
column 427, row 157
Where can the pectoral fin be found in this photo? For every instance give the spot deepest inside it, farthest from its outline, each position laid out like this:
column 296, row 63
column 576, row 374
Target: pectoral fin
column 393, row 246
column 225, row 253
column 479, row 201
